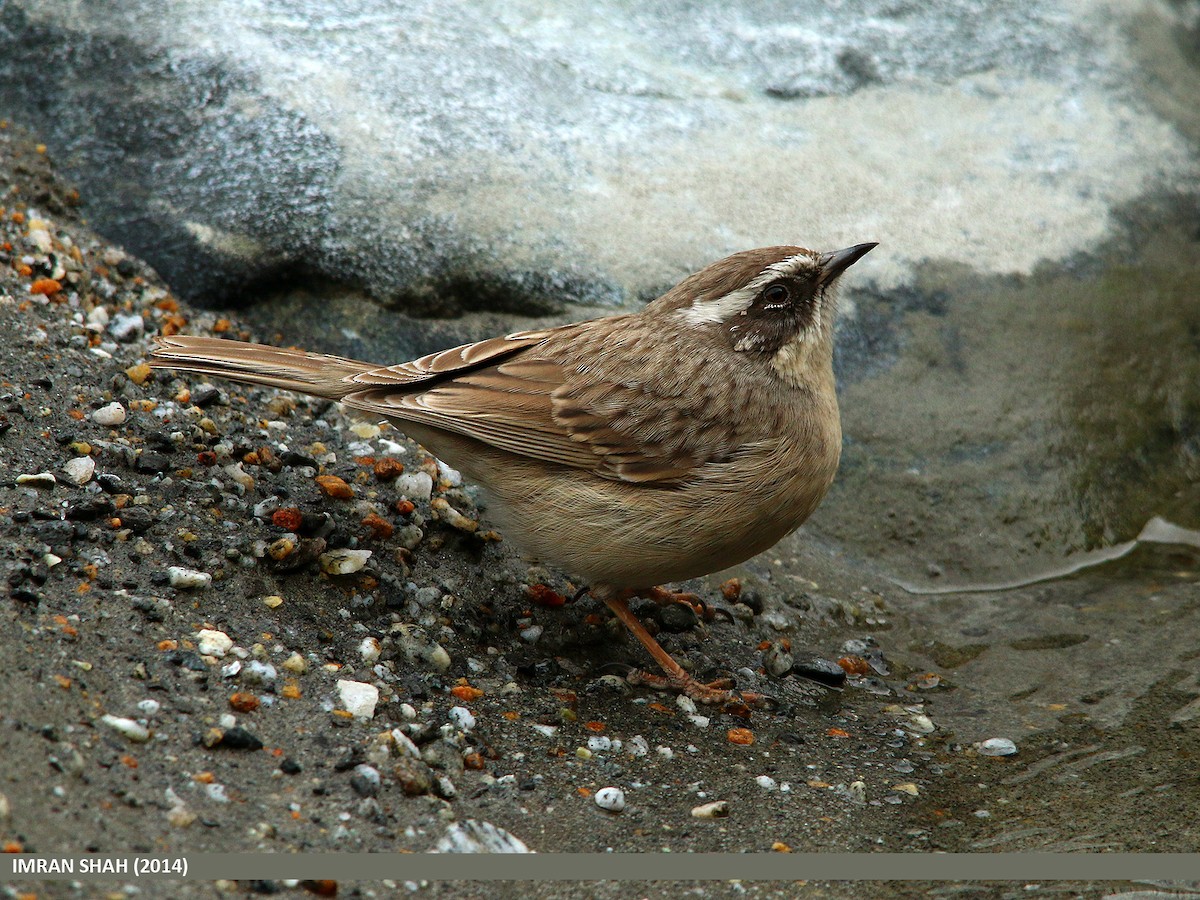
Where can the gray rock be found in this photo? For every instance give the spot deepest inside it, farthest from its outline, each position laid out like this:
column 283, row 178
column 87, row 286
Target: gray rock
column 530, row 159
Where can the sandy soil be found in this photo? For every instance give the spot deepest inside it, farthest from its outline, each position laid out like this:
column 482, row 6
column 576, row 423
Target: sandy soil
column 173, row 642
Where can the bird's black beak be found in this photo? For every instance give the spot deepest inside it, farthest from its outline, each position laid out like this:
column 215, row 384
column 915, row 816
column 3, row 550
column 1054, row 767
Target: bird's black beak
column 836, row 262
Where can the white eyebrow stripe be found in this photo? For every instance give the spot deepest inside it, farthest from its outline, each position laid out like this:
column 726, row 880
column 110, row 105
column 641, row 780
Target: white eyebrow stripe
column 725, row 307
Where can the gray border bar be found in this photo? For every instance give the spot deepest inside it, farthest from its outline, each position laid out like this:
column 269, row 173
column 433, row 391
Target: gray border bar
column 635, row 866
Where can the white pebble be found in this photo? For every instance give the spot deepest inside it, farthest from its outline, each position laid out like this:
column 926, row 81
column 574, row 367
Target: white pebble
column 766, row 782
column 41, row 479
column 446, row 789
column 414, row 485
column 921, row 724
column 149, row 707
column 188, row 579
column 369, row 649
column 531, row 634
column 453, row 477
column 40, row 238
column 80, row 469
column 996, row 747
column 125, row 327
column 462, row 718
column 599, row 744
column 133, row 730
column 665, row 752
column 258, row 672
column 404, row 744
column 858, row 791
column 718, row 809
column 112, row 414
column 610, row 798
column 210, row 642
column 97, row 319
column 343, row 562
column 637, row 746
column 358, row 698
column 439, row 658
column 700, row 721
column 365, row 430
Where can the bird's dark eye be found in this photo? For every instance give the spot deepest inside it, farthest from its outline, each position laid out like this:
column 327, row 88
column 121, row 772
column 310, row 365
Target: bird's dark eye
column 776, row 294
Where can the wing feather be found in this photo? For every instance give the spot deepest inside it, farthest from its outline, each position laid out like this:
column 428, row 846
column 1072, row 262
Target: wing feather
column 536, row 400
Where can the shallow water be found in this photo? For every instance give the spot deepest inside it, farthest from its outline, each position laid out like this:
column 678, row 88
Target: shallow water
column 1006, row 424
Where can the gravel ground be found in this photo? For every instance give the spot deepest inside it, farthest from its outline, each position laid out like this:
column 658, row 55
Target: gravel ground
column 239, row 620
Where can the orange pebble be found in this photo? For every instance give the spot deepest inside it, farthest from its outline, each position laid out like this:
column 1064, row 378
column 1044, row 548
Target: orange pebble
column 544, row 596
column 388, row 468
column 243, row 701
column 45, row 286
column 854, row 665
column 381, row 528
column 743, row 736
column 335, row 487
column 466, row 693
column 288, row 518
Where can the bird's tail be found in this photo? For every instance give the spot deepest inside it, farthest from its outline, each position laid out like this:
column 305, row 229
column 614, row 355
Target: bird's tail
column 295, row 370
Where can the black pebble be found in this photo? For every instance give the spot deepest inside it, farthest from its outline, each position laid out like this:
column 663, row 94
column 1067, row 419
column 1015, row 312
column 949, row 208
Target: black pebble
column 817, row 668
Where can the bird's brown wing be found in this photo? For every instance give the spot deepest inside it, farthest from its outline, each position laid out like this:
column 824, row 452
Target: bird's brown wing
column 616, row 415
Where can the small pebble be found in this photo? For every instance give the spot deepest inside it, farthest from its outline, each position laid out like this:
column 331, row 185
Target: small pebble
column 257, row 672
column 40, row 480
column 599, row 744
column 451, row 516
column 611, row 799
column 125, row 327
column 365, row 780
column 112, row 414
column 718, row 809
column 334, row 487
column 149, row 707
column 343, row 562
column 858, row 791
column 365, row 430
column 404, row 744
column 778, row 661
column 462, row 718
column 213, row 643
column 767, row 783
column 131, row 729
column 80, row 469
column 369, row 650
column 996, row 747
column 188, row 579
column 358, row 698
column 472, row 836
column 414, row 485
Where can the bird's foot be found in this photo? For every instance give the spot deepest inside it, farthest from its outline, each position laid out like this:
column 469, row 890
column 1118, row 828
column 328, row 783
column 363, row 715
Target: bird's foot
column 674, row 677
column 665, row 596
column 718, row 693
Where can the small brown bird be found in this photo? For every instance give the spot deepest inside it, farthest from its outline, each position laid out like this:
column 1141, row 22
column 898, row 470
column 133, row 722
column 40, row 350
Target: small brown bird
column 633, row 449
